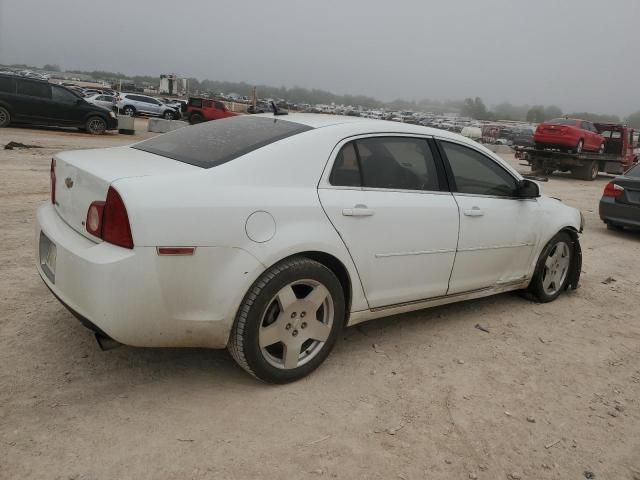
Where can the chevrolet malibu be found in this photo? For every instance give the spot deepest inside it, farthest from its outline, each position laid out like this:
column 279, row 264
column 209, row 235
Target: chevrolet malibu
column 267, row 236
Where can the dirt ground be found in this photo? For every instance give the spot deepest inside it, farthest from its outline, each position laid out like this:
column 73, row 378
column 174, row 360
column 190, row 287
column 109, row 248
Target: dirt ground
column 550, row 392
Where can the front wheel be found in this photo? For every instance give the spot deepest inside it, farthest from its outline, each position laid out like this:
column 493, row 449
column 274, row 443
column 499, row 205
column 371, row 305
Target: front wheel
column 601, row 149
column 169, row 115
column 580, row 146
column 553, row 269
column 5, row 117
column 96, row 126
column 288, row 321
column 128, row 110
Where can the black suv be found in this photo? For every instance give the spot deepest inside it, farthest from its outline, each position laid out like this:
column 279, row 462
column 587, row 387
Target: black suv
column 38, row 102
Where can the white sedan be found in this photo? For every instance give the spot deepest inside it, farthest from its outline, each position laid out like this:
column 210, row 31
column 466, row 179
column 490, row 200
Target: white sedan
column 268, row 234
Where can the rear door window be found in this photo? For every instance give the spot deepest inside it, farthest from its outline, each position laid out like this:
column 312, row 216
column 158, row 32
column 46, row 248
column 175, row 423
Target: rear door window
column 34, row 89
column 210, row 144
column 62, row 95
column 397, row 163
column 7, row 85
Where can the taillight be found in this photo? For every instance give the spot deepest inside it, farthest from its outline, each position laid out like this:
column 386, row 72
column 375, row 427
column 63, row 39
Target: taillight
column 613, row 190
column 52, row 176
column 109, row 220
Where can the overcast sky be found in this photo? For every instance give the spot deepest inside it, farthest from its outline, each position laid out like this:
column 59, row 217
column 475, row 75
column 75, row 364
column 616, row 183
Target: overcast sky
column 578, row 54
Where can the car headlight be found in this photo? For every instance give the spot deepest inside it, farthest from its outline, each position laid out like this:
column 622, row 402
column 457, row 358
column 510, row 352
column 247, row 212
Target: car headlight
column 112, row 115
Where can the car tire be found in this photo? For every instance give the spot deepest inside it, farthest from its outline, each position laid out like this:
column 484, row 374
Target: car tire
column 601, row 149
column 129, row 110
column 553, row 269
column 271, row 319
column 580, row 146
column 168, row 115
column 5, row 117
column 587, row 172
column 96, row 125
column 196, row 118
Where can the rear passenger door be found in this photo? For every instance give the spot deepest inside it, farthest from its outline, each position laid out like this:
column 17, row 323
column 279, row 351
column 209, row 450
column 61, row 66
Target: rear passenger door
column 386, row 197
column 32, row 101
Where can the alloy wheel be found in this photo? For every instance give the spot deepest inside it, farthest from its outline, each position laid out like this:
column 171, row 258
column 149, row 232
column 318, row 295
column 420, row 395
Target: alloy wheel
column 556, row 268
column 296, row 324
column 96, row 125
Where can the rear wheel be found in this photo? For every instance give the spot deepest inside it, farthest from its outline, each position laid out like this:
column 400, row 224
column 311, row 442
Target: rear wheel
column 552, row 271
column 601, row 149
column 96, row 125
column 196, row 118
column 289, row 321
column 580, row 146
column 589, row 171
column 5, row 117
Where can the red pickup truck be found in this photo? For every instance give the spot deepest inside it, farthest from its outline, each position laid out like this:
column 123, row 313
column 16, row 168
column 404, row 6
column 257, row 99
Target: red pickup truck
column 204, row 109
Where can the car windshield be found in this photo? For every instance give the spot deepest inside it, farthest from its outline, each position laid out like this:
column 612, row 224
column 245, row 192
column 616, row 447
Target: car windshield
column 562, row 121
column 213, row 143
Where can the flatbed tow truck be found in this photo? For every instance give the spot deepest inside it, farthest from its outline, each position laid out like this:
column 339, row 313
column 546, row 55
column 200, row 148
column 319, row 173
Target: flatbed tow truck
column 619, row 155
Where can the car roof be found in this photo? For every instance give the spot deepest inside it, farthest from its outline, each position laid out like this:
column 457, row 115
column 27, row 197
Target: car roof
column 22, row 77
column 365, row 125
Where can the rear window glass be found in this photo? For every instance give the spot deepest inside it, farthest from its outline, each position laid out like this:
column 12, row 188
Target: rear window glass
column 562, row 121
column 634, row 172
column 213, row 143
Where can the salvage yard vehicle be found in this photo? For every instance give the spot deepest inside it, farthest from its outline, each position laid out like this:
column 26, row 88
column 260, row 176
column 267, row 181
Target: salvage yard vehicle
column 133, row 104
column 268, row 236
column 617, row 155
column 569, row 134
column 31, row 101
column 204, row 109
column 620, row 202
column 106, row 101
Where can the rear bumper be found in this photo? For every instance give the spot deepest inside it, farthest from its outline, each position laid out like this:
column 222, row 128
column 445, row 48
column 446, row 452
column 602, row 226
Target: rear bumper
column 139, row 298
column 561, row 141
column 619, row 213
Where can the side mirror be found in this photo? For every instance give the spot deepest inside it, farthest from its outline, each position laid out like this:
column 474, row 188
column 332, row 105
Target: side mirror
column 528, row 189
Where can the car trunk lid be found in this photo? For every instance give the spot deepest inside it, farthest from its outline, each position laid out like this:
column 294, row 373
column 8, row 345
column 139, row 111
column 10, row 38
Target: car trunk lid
column 631, row 194
column 84, row 176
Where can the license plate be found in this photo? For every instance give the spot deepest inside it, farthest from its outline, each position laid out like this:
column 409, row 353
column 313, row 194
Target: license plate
column 48, row 252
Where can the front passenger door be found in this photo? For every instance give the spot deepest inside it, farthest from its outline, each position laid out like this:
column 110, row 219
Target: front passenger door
column 498, row 230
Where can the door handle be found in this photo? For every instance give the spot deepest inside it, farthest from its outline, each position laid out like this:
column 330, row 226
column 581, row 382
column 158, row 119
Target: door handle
column 474, row 212
column 357, row 211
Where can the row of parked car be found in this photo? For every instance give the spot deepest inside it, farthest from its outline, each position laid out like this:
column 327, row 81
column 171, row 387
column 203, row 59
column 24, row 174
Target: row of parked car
column 36, row 101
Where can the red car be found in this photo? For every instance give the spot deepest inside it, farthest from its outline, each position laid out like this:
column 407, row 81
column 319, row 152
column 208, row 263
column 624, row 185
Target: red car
column 569, row 134
column 203, row 109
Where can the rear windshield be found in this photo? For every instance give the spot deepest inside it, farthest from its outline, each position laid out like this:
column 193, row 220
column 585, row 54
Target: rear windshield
column 633, row 172
column 562, row 121
column 216, row 142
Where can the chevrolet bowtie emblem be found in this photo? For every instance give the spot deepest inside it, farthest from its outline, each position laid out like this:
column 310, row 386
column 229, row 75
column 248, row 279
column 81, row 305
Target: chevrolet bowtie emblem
column 68, row 182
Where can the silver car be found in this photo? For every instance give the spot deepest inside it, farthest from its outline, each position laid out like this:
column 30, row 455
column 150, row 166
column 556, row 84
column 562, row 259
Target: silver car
column 133, row 104
column 106, row 101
